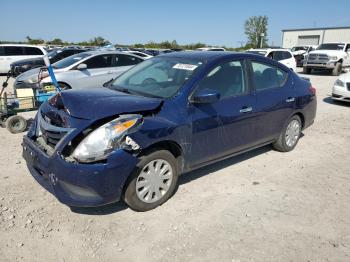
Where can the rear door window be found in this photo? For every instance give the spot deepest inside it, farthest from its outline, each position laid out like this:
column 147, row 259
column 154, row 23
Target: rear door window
column 286, row 55
column 278, row 55
column 126, row 60
column 2, row 51
column 13, row 51
column 32, row 51
column 99, row 61
column 267, row 76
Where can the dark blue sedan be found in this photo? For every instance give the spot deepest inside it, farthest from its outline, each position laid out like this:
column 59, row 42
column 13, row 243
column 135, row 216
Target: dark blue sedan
column 164, row 117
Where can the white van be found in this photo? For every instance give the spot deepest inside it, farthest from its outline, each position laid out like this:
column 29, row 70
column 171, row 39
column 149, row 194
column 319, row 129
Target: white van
column 10, row 53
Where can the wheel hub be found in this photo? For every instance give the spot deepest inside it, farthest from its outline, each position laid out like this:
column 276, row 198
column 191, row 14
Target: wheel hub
column 154, row 181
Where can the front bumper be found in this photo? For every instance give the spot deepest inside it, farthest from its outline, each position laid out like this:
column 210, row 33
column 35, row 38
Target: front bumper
column 328, row 65
column 341, row 93
column 75, row 184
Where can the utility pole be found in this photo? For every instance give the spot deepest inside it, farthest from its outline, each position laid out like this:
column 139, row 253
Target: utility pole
column 261, row 39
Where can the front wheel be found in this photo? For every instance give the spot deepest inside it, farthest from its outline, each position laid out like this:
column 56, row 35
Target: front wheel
column 289, row 136
column 337, row 69
column 153, row 181
column 306, row 70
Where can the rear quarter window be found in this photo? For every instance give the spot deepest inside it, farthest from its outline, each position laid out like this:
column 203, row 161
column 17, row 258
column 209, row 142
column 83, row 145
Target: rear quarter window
column 32, row 51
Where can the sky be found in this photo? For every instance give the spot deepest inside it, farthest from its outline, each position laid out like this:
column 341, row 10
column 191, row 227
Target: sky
column 212, row 22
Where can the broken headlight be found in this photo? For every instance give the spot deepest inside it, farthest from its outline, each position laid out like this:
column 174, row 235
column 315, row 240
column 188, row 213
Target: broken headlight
column 103, row 140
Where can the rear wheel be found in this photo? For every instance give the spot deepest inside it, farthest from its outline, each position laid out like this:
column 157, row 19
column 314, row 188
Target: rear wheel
column 289, row 136
column 16, row 124
column 337, row 69
column 153, row 181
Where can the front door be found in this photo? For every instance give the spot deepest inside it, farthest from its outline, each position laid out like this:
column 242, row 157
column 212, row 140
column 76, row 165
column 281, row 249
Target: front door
column 225, row 126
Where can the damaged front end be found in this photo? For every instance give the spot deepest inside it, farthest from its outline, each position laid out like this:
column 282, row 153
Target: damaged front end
column 83, row 162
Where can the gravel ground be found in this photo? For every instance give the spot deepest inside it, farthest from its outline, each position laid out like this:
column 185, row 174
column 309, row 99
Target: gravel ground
column 260, row 206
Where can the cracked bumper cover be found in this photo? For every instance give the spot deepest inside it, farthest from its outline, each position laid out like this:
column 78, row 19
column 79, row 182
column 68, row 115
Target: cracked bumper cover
column 77, row 184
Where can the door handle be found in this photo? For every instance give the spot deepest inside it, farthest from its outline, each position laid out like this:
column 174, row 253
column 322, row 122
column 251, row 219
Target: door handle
column 290, row 99
column 246, row 109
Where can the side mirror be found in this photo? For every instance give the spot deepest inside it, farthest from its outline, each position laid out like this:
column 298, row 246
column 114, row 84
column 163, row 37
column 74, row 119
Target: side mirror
column 205, row 96
column 82, row 66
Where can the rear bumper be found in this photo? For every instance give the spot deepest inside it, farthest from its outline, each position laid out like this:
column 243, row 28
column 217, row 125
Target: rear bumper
column 77, row 184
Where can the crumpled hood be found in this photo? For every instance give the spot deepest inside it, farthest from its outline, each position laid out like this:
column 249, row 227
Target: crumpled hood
column 99, row 103
column 336, row 53
column 299, row 52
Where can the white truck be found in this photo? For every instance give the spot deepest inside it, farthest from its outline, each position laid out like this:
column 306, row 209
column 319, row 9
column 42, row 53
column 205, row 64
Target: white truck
column 329, row 56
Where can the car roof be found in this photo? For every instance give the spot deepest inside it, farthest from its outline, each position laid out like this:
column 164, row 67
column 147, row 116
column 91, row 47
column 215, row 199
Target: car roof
column 202, row 56
column 23, row 45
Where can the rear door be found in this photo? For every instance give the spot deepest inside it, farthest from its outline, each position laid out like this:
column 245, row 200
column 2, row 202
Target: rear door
column 228, row 125
column 275, row 96
column 99, row 71
column 123, row 62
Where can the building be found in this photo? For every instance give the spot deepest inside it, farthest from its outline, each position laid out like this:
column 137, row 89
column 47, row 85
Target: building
column 314, row 36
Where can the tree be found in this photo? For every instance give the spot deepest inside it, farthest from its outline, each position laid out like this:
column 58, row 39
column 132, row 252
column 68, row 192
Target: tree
column 256, row 31
column 34, row 41
column 99, row 41
column 56, row 41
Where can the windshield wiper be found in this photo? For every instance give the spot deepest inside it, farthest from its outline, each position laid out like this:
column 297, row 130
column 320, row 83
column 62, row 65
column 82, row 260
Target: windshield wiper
column 120, row 89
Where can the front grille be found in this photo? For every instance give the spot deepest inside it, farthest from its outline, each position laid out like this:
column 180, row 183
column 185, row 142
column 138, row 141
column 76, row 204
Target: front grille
column 318, row 58
column 51, row 138
column 48, row 133
column 348, row 86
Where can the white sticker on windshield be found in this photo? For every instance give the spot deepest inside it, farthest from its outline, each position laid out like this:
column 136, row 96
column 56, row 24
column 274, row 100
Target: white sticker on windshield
column 185, row 67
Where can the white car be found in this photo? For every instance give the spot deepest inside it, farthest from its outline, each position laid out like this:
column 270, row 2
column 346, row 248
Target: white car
column 83, row 70
column 211, row 49
column 341, row 88
column 140, row 54
column 284, row 56
column 10, row 53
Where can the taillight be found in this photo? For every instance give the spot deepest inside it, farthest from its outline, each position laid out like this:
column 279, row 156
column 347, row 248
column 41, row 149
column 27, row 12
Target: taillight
column 312, row 90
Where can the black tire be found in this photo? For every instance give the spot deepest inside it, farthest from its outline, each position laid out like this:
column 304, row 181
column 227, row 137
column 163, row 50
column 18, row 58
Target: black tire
column 337, row 69
column 130, row 195
column 16, row 124
column 281, row 143
column 306, row 70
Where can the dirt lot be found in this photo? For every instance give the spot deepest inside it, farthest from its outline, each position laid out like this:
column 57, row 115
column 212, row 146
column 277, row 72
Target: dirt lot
column 260, row 206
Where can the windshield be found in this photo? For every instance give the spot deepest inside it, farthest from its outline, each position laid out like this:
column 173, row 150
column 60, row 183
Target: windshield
column 331, row 47
column 157, row 77
column 70, row 60
column 263, row 53
column 298, row 48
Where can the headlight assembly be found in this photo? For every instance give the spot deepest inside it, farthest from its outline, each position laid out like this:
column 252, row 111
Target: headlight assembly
column 103, row 140
column 339, row 83
column 334, row 58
